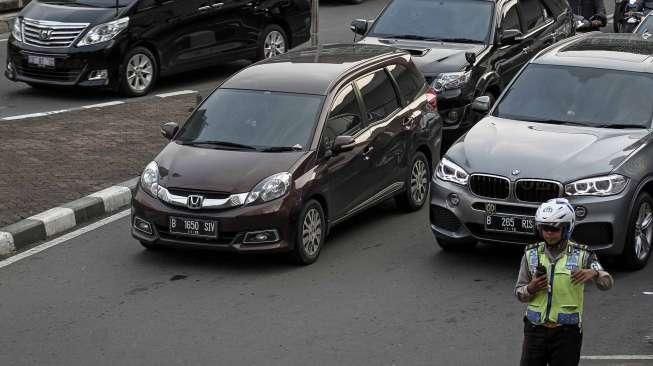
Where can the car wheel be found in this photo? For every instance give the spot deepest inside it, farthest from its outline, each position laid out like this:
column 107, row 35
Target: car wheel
column 451, row 246
column 417, row 185
column 311, row 232
column 139, row 73
column 273, row 42
column 149, row 246
column 640, row 233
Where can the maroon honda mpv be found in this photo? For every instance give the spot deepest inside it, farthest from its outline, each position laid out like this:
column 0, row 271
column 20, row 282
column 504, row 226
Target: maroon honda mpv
column 289, row 147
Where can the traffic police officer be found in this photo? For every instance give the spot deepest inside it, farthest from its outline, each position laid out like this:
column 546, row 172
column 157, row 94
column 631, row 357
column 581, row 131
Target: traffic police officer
column 551, row 281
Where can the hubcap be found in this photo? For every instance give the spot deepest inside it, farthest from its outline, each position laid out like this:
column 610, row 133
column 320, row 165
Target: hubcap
column 419, row 182
column 312, row 232
column 274, row 44
column 643, row 231
column 140, row 71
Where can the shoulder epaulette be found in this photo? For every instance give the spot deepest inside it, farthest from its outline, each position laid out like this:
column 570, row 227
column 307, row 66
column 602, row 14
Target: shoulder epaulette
column 532, row 246
column 578, row 246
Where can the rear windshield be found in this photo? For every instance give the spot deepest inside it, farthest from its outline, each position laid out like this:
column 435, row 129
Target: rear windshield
column 580, row 96
column 90, row 3
column 260, row 119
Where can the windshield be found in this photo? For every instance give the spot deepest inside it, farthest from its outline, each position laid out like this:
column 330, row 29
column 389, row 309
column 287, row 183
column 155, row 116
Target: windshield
column 256, row 119
column 91, row 3
column 580, row 95
column 646, row 26
column 466, row 21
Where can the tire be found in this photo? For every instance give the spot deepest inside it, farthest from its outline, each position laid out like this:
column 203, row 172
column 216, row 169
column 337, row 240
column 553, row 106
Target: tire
column 417, row 185
column 450, row 246
column 637, row 249
column 139, row 72
column 149, row 246
column 308, row 246
column 272, row 42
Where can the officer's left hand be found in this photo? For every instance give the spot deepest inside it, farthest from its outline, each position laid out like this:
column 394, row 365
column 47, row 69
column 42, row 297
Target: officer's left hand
column 583, row 276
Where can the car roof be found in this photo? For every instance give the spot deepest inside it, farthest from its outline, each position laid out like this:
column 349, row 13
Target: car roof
column 627, row 52
column 311, row 70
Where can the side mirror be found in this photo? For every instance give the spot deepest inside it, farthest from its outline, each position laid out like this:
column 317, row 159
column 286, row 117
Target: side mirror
column 169, row 130
column 471, row 58
column 510, row 36
column 481, row 104
column 359, row 26
column 343, row 143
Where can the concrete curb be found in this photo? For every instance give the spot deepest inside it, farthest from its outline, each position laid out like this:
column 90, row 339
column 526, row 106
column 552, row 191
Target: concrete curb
column 58, row 220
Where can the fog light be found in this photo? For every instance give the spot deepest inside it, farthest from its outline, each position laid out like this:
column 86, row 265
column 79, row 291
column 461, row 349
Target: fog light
column 261, row 237
column 98, row 75
column 453, row 199
column 581, row 212
column 10, row 66
column 142, row 225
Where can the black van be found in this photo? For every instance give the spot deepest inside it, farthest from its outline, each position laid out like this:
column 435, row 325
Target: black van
column 126, row 45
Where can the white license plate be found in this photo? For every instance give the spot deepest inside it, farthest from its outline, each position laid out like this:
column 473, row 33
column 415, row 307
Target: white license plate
column 41, row 61
column 511, row 224
column 193, row 227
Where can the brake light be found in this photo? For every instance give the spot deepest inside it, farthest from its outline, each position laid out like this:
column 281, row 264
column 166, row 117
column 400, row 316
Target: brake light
column 432, row 99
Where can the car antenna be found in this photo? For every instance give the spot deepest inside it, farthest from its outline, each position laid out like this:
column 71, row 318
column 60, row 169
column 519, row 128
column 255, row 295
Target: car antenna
column 117, row 5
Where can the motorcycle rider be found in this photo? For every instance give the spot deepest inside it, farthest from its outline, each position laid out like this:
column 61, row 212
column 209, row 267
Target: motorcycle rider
column 592, row 10
column 552, row 281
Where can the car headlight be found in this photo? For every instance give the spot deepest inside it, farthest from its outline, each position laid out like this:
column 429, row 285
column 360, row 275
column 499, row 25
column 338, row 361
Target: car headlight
column 450, row 80
column 150, row 179
column 451, row 172
column 598, row 186
column 270, row 188
column 17, row 30
column 104, row 32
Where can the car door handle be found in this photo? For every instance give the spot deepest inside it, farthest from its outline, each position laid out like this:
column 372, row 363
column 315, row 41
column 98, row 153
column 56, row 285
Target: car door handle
column 217, row 5
column 204, row 8
column 366, row 153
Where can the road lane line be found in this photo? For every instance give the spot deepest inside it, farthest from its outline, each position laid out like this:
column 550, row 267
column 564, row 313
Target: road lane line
column 63, row 238
column 107, row 104
column 34, row 115
column 647, row 292
column 618, row 357
column 174, row 94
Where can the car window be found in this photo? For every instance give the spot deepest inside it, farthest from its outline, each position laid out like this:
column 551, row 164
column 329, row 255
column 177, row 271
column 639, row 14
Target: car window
column 511, row 19
column 378, row 95
column 344, row 117
column 646, row 27
column 534, row 14
column 409, row 83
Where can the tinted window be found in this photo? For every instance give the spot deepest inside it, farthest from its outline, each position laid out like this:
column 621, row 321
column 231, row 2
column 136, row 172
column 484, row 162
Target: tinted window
column 646, row 26
column 455, row 20
column 92, row 3
column 255, row 118
column 579, row 95
column 409, row 83
column 511, row 19
column 534, row 13
column 378, row 95
column 344, row 118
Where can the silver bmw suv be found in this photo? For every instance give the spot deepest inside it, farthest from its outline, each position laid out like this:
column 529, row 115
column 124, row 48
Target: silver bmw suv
column 575, row 123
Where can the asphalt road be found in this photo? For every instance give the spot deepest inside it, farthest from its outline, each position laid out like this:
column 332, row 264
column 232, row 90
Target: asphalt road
column 380, row 294
column 19, row 98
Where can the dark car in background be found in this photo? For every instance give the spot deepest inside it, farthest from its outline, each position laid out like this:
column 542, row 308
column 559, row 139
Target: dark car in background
column 468, row 48
column 289, row 147
column 126, row 45
column 575, row 123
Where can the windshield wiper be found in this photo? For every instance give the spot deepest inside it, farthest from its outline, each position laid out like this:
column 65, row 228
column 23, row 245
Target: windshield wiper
column 558, row 122
column 624, row 126
column 404, row 36
column 282, row 148
column 219, row 144
column 455, row 40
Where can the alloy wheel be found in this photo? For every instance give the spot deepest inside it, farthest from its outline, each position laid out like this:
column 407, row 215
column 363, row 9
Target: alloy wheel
column 643, row 231
column 312, row 232
column 274, row 44
column 419, row 182
column 140, row 72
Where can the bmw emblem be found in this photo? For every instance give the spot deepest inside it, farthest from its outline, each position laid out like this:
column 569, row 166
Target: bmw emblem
column 515, row 172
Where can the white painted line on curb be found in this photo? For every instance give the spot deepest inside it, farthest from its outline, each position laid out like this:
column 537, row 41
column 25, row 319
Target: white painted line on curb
column 114, row 197
column 618, row 357
column 63, row 238
column 174, row 94
column 647, row 292
column 56, row 220
column 6, row 243
column 33, row 115
column 107, row 104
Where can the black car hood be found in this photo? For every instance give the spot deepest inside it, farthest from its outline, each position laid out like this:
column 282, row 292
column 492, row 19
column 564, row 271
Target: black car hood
column 562, row 153
column 71, row 14
column 432, row 58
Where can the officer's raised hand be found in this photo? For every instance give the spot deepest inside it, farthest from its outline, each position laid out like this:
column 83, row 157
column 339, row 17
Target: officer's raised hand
column 583, row 276
column 538, row 284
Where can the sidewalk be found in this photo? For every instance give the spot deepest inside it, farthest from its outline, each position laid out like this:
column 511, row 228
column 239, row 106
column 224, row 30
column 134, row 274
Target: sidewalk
column 48, row 161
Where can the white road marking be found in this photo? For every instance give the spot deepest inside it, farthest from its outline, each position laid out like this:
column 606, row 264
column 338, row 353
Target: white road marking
column 4, row 40
column 648, row 292
column 173, row 94
column 618, row 357
column 64, row 238
column 107, row 104
column 33, row 115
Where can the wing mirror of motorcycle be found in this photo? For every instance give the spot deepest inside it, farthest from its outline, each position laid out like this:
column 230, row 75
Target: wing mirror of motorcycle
column 510, row 36
column 481, row 104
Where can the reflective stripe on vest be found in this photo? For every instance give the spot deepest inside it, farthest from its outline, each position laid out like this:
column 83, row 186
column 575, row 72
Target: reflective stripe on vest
column 564, row 303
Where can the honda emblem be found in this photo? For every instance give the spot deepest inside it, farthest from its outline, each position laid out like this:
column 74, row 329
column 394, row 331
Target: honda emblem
column 194, row 202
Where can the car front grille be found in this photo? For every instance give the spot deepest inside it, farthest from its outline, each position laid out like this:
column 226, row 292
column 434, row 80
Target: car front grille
column 206, row 194
column 489, row 186
column 51, row 34
column 531, row 190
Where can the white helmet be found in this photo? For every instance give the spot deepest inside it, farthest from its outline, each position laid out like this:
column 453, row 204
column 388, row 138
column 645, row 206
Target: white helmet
column 557, row 212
